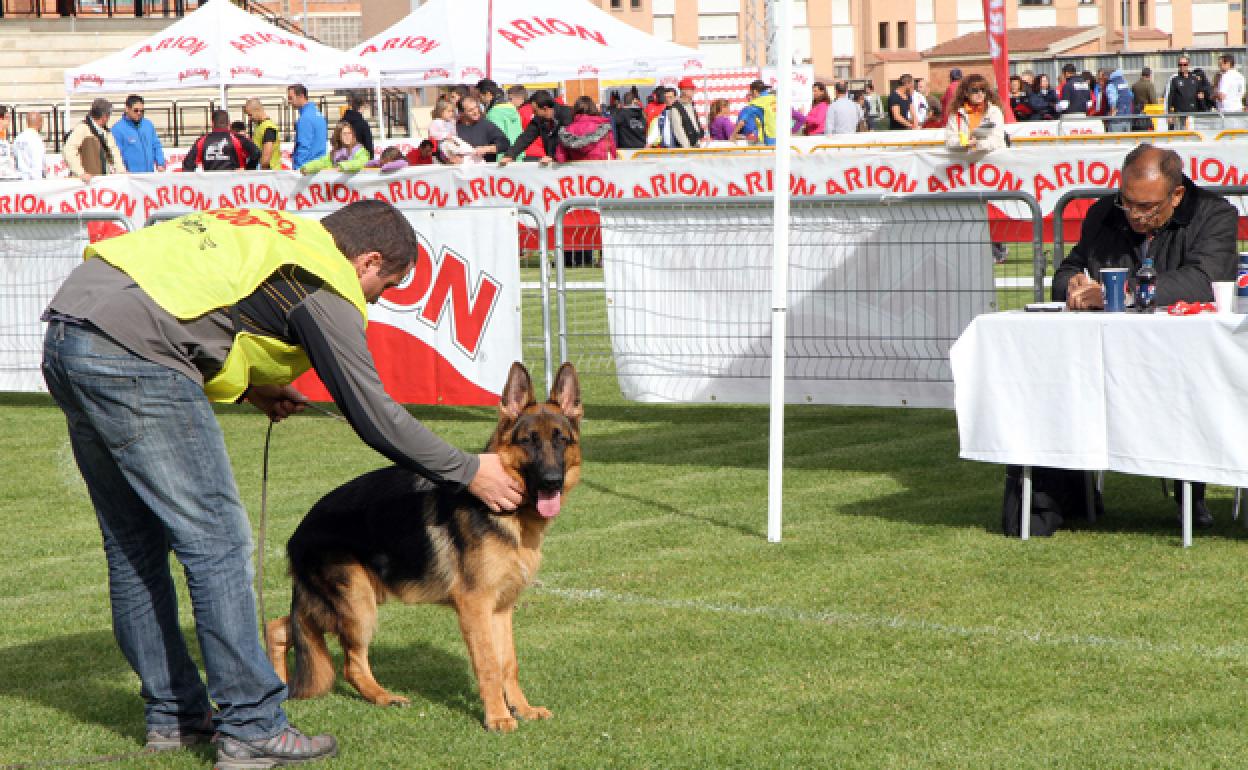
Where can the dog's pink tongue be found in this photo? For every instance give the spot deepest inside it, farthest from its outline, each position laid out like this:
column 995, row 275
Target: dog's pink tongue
column 548, row 503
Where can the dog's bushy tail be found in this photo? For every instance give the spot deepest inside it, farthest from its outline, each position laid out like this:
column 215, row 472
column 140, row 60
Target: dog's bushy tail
column 314, row 669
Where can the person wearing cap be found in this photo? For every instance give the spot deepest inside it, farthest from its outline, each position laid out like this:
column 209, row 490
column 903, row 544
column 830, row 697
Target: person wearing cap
column 955, row 75
column 686, row 128
column 90, row 149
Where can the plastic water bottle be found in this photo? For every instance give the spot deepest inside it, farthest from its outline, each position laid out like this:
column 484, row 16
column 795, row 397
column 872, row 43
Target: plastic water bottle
column 1241, row 285
column 1145, row 286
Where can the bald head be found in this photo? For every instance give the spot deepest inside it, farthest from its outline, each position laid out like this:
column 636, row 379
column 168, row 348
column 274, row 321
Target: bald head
column 1148, row 161
column 1152, row 186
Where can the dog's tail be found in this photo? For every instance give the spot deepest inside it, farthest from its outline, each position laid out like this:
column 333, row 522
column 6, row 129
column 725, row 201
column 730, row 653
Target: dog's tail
column 314, row 669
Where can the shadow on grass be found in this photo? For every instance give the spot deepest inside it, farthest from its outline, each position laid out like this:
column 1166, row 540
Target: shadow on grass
column 424, row 672
column 76, row 674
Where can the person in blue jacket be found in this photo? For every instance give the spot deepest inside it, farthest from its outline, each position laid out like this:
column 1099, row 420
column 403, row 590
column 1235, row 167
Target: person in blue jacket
column 136, row 138
column 1120, row 100
column 311, row 130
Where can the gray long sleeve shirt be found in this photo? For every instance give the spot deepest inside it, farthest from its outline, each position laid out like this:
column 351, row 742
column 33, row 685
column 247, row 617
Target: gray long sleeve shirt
column 292, row 305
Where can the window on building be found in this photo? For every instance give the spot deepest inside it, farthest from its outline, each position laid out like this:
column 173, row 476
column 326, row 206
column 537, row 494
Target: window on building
column 883, row 35
column 719, row 26
column 1142, row 19
column 663, row 27
column 635, row 5
column 616, row 4
column 1035, row 2
column 902, row 41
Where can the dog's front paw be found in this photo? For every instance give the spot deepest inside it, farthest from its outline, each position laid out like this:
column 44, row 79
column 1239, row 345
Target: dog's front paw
column 531, row 713
column 396, row 700
column 501, row 724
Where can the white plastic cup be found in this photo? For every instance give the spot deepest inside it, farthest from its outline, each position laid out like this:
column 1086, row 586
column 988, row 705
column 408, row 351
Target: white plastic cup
column 1224, row 296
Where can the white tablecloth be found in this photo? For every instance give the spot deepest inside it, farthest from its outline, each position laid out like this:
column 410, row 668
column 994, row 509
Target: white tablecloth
column 1155, row 395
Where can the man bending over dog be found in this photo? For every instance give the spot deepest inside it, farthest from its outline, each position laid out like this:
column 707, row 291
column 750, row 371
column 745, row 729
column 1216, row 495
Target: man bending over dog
column 223, row 305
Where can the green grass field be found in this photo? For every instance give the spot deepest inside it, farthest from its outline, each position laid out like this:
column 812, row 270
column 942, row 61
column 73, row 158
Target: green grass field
column 893, row 627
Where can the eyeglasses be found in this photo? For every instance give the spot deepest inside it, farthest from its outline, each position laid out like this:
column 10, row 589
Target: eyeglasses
column 137, row 110
column 1184, row 64
column 976, row 90
column 1138, row 210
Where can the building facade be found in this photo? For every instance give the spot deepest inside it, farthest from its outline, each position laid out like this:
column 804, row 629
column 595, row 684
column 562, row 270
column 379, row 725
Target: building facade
column 880, row 39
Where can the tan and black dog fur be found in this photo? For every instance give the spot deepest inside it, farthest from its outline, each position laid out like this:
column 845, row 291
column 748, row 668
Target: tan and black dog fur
column 391, row 533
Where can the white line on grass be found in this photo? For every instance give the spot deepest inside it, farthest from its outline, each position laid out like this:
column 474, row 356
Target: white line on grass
column 899, row 623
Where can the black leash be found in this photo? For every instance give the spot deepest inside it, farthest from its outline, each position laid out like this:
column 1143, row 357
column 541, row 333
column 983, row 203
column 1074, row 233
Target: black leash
column 264, row 516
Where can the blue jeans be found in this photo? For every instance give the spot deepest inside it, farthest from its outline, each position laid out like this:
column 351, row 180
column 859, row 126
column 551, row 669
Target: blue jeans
column 153, row 457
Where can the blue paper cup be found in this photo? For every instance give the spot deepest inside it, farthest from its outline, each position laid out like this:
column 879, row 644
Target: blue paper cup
column 1114, row 279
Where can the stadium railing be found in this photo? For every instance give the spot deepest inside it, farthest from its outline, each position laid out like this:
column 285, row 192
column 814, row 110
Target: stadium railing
column 885, row 283
column 37, row 251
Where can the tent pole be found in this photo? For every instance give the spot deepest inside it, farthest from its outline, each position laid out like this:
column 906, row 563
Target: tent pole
column 381, row 111
column 65, row 125
column 489, row 39
column 224, row 104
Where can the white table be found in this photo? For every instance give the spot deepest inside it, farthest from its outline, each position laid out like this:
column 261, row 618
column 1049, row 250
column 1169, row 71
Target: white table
column 1153, row 395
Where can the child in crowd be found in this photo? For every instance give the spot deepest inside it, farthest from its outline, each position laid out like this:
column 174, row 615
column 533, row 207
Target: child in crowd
column 348, row 154
column 425, row 154
column 443, row 124
column 722, row 123
column 391, row 160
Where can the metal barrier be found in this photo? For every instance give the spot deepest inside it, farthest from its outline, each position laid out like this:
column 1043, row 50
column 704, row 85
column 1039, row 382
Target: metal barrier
column 1092, row 193
column 881, row 145
column 881, row 285
column 1126, row 136
column 531, row 293
column 693, row 152
column 1230, row 133
column 1212, row 120
column 37, row 252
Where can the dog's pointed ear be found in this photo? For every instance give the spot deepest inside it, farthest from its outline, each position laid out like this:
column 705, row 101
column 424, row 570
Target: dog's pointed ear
column 517, row 393
column 566, row 392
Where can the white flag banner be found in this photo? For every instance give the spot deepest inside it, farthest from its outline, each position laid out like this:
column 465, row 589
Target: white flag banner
column 872, row 309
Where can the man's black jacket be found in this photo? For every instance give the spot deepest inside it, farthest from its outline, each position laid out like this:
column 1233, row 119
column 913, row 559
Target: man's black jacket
column 548, row 130
column 1183, row 96
column 1197, row 246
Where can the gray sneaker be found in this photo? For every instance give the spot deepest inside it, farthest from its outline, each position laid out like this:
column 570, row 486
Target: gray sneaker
column 289, row 747
column 178, row 736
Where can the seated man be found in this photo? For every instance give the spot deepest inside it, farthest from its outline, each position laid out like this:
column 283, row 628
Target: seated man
column 1190, row 234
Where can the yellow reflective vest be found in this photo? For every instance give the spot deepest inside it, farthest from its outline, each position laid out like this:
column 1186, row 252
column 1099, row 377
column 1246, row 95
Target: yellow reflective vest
column 257, row 136
column 210, row 260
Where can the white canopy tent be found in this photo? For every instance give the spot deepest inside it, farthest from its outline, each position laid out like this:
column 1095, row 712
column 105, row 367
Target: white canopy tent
column 521, row 41
column 219, row 45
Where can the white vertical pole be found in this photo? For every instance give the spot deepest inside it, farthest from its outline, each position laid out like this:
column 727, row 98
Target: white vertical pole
column 224, row 104
column 780, row 265
column 381, row 110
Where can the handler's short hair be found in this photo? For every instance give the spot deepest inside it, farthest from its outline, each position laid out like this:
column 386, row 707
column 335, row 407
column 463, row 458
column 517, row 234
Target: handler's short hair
column 374, row 225
column 101, row 108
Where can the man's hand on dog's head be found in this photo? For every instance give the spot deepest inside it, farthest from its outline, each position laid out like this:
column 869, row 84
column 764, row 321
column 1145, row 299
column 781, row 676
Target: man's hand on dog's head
column 494, row 485
column 277, row 401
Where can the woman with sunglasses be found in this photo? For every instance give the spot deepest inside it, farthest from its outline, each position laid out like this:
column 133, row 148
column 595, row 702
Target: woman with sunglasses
column 976, row 122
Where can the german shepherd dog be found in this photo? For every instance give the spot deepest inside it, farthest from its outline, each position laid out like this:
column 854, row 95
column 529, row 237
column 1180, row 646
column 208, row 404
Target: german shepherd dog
column 392, row 533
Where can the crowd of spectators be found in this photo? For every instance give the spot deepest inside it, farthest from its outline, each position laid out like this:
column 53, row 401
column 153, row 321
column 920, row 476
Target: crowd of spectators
column 483, row 123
